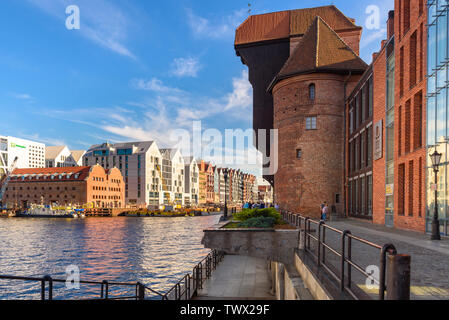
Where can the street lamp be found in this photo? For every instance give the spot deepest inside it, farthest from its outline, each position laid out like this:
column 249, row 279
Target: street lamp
column 225, row 214
column 436, row 158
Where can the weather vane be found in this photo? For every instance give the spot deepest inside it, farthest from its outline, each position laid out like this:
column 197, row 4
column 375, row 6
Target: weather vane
column 249, row 8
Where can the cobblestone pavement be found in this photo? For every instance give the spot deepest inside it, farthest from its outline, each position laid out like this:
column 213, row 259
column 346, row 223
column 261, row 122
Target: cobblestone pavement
column 429, row 259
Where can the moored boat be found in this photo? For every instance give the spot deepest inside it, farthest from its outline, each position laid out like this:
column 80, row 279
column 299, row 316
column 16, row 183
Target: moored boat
column 41, row 211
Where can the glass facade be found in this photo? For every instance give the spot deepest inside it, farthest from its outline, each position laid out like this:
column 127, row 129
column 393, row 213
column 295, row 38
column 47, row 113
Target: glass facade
column 437, row 109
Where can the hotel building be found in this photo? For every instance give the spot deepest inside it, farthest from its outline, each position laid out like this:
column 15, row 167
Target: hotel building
column 30, row 154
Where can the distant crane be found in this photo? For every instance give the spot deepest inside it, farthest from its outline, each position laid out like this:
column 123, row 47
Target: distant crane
column 5, row 181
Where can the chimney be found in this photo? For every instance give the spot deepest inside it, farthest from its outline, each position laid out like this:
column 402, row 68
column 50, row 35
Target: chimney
column 390, row 24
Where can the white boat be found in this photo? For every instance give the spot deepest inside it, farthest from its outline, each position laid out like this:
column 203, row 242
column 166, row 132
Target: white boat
column 41, row 211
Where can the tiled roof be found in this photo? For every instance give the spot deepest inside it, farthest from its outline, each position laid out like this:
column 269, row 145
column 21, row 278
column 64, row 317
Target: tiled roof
column 71, row 173
column 283, row 24
column 320, row 49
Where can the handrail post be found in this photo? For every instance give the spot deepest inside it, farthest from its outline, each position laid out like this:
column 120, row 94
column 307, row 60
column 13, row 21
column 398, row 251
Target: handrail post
column 43, row 289
column 50, row 288
column 383, row 257
column 398, row 280
column 343, row 260
column 306, row 234
column 318, row 249
column 140, row 291
column 324, row 245
column 106, row 290
column 349, row 259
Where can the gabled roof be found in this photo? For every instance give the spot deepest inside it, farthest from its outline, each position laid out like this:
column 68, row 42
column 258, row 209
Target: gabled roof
column 284, row 24
column 189, row 160
column 77, row 154
column 320, row 50
column 53, row 152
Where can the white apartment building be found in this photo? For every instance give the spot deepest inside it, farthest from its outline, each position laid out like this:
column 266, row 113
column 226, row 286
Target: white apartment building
column 30, row 154
column 192, row 182
column 222, row 185
column 61, row 157
column 140, row 165
column 173, row 176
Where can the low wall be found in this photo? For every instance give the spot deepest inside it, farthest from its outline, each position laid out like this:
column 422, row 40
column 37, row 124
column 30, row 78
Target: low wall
column 287, row 283
column 270, row 244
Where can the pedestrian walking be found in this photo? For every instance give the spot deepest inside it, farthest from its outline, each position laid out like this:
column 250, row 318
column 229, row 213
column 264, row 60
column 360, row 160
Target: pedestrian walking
column 324, row 212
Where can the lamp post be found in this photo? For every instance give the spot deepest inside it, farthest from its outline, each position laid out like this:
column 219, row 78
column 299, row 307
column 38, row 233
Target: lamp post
column 225, row 214
column 436, row 158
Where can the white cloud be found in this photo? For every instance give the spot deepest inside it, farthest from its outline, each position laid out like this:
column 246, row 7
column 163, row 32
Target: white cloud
column 101, row 22
column 185, row 67
column 373, row 36
column 154, row 85
column 225, row 28
column 169, row 109
column 241, row 96
column 22, row 96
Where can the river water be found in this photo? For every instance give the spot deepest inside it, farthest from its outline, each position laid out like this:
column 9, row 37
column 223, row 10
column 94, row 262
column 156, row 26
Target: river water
column 155, row 251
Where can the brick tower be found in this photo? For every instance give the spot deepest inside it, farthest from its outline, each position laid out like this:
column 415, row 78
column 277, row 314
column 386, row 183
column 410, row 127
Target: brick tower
column 309, row 96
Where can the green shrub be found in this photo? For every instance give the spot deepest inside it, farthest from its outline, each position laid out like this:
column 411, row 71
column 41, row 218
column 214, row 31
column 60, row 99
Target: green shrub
column 247, row 214
column 260, row 222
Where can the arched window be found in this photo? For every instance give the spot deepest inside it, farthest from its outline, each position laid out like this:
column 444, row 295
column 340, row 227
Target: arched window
column 312, row 91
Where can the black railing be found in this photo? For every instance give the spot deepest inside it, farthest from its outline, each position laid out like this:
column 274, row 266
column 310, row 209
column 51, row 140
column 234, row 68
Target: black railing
column 344, row 254
column 47, row 288
column 185, row 289
column 188, row 286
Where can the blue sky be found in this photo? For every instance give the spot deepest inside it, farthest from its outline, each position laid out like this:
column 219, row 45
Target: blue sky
column 136, row 69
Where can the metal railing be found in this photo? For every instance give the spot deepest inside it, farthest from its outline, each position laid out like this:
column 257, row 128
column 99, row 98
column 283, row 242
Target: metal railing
column 188, row 286
column 344, row 254
column 185, row 289
column 47, row 284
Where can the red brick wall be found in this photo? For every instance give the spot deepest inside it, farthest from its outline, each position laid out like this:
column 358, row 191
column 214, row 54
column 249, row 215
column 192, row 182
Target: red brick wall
column 379, row 103
column 301, row 185
column 408, row 40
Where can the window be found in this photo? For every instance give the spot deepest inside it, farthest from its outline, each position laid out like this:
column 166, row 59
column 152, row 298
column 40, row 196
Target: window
column 407, row 137
column 311, row 123
column 406, row 11
column 298, row 154
column 413, row 57
column 312, row 91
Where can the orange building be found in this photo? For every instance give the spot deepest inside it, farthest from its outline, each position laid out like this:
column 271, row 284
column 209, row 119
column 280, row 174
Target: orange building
column 66, row 186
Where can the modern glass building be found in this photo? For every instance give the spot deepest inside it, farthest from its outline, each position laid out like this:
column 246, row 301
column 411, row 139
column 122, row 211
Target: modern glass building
column 437, row 109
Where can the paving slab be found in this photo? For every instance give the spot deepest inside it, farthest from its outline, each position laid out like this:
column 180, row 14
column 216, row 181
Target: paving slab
column 238, row 278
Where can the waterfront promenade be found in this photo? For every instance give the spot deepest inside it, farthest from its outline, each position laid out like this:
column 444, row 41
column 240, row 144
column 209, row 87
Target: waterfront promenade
column 238, row 278
column 429, row 259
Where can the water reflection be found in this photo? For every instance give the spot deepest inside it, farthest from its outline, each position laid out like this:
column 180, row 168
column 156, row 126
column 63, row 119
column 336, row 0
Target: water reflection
column 155, row 251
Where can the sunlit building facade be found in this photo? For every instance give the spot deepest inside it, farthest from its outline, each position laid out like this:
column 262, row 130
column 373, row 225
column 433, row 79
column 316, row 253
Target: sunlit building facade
column 437, row 110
